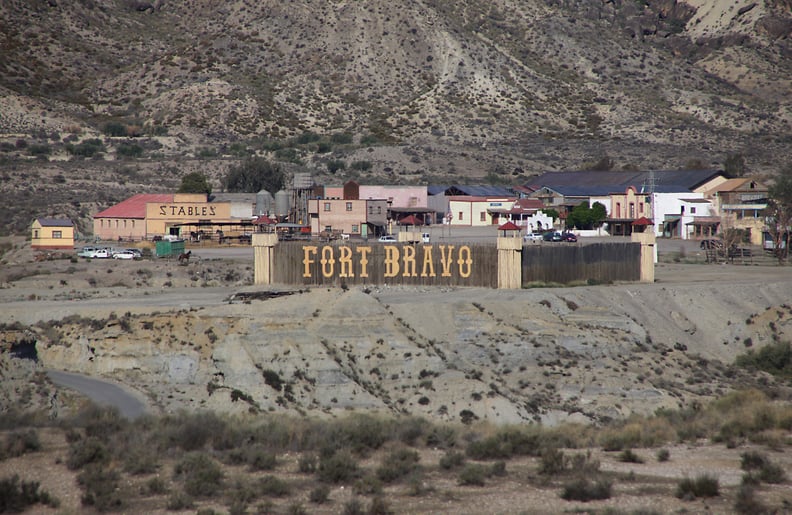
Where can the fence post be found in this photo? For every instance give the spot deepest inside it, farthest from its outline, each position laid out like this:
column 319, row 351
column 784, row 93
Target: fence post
column 509, row 262
column 648, row 252
column 263, row 252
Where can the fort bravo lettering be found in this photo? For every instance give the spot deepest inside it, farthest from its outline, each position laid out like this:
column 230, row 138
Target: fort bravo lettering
column 398, row 261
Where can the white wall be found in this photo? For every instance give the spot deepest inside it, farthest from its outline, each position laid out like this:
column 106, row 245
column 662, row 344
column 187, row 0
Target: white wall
column 671, row 204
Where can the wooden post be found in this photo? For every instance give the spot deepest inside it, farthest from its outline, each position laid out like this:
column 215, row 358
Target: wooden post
column 510, row 262
column 648, row 254
column 263, row 252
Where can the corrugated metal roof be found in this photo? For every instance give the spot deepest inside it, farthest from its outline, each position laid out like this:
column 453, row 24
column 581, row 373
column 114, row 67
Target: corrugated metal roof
column 134, row 207
column 582, row 183
column 55, row 222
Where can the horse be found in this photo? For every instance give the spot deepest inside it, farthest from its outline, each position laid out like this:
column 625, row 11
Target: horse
column 184, row 257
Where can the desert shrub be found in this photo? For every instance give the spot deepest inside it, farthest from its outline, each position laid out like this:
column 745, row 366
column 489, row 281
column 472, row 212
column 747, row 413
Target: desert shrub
column 451, row 460
column 273, row 486
column 259, row 458
column 156, row 486
column 179, row 501
column 505, row 444
column 702, row 486
column 379, row 506
column 353, row 507
column 584, row 464
column 763, row 468
column 101, row 488
column 87, row 451
column 397, row 464
column 192, row 432
column 129, row 150
column 202, row 477
column 474, row 474
column 584, row 490
column 17, row 496
column 18, row 443
column 359, row 432
column 747, row 503
column 361, row 165
column 628, row 456
column 340, row 467
column 442, row 437
column 553, row 461
column 307, row 463
column 638, row 433
column 341, row 138
column 141, row 461
column 774, row 358
column 410, row 429
column 320, row 494
column 367, row 485
column 663, row 455
column 101, row 422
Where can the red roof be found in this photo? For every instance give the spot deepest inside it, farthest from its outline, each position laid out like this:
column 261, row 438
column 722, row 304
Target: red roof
column 264, row 220
column 134, row 207
column 642, row 221
column 410, row 220
column 509, row 226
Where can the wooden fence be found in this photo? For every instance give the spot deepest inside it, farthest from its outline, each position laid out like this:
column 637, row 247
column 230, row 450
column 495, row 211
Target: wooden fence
column 564, row 263
column 339, row 263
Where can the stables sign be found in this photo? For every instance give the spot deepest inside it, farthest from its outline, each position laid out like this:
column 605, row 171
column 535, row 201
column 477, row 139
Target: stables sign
column 403, row 260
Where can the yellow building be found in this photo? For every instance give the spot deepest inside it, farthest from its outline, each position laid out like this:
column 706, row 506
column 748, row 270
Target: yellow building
column 149, row 216
column 52, row 234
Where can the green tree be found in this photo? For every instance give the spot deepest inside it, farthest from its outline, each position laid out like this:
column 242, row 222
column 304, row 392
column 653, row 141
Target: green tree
column 734, row 165
column 779, row 212
column 584, row 216
column 195, row 182
column 253, row 175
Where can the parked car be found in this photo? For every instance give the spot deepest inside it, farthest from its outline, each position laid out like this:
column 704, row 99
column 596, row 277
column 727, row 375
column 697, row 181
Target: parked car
column 387, row 238
column 136, row 252
column 552, row 236
column 100, row 254
column 124, row 254
column 569, row 236
column 86, row 251
column 533, row 236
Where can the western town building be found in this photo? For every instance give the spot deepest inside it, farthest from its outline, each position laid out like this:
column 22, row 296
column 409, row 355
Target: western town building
column 52, row 234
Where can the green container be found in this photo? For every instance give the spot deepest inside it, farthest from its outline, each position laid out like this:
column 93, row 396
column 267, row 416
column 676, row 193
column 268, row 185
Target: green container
column 169, row 248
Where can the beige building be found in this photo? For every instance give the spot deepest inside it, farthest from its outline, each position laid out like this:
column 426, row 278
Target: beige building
column 355, row 217
column 52, row 234
column 148, row 216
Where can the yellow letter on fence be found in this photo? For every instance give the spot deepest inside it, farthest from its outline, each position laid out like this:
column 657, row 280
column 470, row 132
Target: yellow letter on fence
column 307, row 261
column 327, row 262
column 409, row 261
column 391, row 261
column 446, row 259
column 364, row 252
column 464, row 261
column 345, row 262
column 428, row 265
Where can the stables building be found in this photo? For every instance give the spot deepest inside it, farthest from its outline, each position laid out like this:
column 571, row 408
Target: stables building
column 150, row 216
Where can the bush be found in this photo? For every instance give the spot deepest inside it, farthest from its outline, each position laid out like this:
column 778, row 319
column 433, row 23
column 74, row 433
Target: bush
column 773, row 358
column 768, row 471
column 379, row 506
column 307, row 463
column 585, row 490
column 505, row 444
column 398, row 464
column 87, row 451
column 341, row 467
column 101, row 488
column 473, row 475
column 553, row 461
column 260, row 458
column 353, row 507
column 179, row 501
column 702, row 486
column 19, row 443
column 663, row 455
column 274, row 486
column 17, row 496
column 747, row 503
column 628, row 456
column 451, row 460
column 201, row 475
column 320, row 494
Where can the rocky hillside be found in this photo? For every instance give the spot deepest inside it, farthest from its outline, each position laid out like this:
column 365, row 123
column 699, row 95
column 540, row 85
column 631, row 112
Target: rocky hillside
column 411, row 90
column 179, row 335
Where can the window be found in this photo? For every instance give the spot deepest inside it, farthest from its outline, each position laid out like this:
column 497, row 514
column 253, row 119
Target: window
column 371, row 210
column 641, row 208
column 133, row 224
column 57, row 234
column 355, row 229
column 460, row 216
column 349, row 206
column 328, row 228
column 379, row 210
column 327, row 206
column 692, row 210
column 618, row 210
column 35, row 234
column 483, row 216
column 632, row 209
